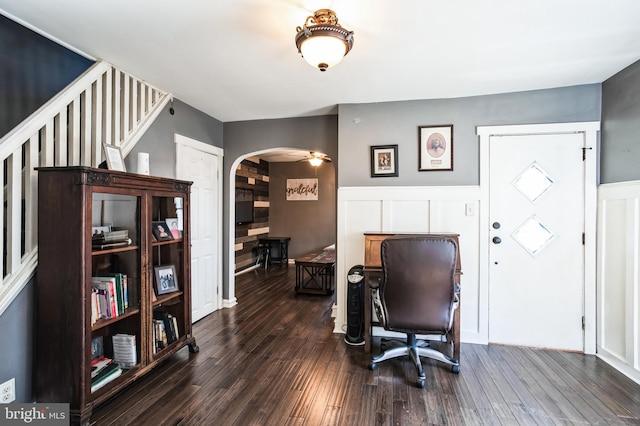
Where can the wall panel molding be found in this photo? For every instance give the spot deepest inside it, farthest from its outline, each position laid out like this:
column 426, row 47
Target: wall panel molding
column 618, row 278
column 411, row 209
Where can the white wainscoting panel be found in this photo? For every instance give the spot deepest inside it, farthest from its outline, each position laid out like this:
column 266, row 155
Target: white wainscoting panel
column 618, row 282
column 411, row 209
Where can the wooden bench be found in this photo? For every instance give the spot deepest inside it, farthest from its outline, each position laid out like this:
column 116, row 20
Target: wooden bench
column 315, row 271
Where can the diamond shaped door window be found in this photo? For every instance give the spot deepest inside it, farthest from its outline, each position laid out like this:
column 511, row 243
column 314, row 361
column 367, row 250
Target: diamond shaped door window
column 533, row 236
column 533, row 182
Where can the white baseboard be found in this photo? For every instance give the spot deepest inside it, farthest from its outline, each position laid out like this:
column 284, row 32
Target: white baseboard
column 229, row 303
column 619, row 365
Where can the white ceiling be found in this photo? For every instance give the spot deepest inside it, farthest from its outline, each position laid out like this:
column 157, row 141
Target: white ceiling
column 236, row 59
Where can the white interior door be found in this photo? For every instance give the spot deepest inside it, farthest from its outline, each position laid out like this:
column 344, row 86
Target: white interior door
column 536, row 254
column 199, row 165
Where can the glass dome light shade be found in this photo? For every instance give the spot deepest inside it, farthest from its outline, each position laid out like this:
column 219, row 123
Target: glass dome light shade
column 321, row 41
column 323, row 51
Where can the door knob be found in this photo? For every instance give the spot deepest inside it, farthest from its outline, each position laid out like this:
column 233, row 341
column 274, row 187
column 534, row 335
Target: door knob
column 497, row 240
column 496, row 225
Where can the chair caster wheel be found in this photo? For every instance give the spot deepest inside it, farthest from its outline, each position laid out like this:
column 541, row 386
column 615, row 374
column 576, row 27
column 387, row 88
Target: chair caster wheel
column 455, row 369
column 372, row 366
column 420, row 383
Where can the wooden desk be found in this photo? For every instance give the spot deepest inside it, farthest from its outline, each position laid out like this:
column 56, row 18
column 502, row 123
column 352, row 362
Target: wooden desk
column 314, row 272
column 373, row 275
column 283, row 245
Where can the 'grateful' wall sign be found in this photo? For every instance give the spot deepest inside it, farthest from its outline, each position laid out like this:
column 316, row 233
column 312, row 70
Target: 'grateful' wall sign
column 302, row 189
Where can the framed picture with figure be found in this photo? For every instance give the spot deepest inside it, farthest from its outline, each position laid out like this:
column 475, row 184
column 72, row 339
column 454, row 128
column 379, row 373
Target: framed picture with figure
column 161, row 231
column 174, row 227
column 166, row 279
column 435, row 148
column 384, row 161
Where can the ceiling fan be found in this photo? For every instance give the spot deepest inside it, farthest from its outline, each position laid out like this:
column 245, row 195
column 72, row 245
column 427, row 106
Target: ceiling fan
column 317, row 158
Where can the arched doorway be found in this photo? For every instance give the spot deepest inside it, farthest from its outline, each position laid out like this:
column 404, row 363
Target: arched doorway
column 310, row 224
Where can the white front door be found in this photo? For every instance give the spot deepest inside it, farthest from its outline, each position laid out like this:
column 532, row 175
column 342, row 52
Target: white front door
column 200, row 163
column 536, row 249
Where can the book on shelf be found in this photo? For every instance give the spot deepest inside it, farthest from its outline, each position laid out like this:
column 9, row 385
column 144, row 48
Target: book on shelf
column 99, row 364
column 159, row 335
column 122, row 293
column 169, row 325
column 95, row 306
column 106, row 375
column 175, row 327
column 110, row 236
column 124, row 350
column 99, row 307
column 125, row 283
column 111, row 244
column 106, row 293
column 109, row 296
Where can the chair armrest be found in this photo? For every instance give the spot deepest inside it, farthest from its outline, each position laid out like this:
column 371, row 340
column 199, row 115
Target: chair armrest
column 456, row 302
column 456, row 296
column 377, row 305
column 374, row 283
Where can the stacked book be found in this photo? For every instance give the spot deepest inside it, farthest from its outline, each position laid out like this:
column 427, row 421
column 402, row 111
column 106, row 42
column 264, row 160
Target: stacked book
column 111, row 239
column 124, row 350
column 165, row 330
column 109, row 296
column 103, row 371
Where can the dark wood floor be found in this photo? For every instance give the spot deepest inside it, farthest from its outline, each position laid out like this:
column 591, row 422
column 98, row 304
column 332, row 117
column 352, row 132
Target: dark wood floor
column 274, row 360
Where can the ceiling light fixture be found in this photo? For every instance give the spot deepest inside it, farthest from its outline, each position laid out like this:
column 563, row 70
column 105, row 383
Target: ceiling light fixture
column 321, row 41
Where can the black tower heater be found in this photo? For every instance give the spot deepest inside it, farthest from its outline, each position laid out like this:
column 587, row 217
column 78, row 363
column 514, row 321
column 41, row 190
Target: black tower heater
column 355, row 306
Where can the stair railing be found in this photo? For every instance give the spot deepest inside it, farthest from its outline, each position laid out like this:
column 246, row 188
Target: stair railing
column 103, row 105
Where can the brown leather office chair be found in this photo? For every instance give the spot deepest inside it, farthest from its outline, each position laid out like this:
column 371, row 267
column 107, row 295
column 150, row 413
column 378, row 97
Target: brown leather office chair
column 417, row 296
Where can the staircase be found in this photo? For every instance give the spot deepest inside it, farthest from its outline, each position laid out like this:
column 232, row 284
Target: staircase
column 104, row 105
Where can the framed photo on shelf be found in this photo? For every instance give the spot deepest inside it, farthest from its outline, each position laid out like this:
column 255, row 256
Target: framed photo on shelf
column 166, row 279
column 174, row 227
column 161, row 231
column 435, row 149
column 97, row 347
column 115, row 160
column 384, row 161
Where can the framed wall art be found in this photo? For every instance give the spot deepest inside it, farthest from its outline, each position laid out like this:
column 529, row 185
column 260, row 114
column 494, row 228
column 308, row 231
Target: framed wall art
column 435, row 150
column 384, row 161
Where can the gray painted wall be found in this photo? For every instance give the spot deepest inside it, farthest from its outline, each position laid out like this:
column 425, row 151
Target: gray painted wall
column 310, row 224
column 159, row 142
column 620, row 142
column 32, row 70
column 363, row 125
column 16, row 336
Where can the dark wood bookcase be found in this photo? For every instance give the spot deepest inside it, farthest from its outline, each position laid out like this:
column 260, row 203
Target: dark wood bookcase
column 72, row 202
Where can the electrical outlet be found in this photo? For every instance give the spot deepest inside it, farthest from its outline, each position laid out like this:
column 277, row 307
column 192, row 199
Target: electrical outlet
column 8, row 391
